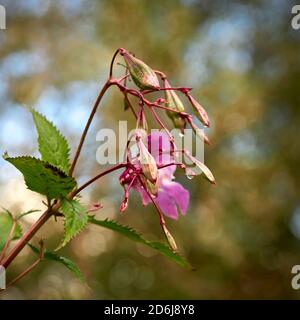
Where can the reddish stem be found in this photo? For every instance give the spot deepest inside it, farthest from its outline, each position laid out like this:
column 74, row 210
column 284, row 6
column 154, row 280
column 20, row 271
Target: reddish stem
column 88, row 124
column 100, row 175
column 112, row 63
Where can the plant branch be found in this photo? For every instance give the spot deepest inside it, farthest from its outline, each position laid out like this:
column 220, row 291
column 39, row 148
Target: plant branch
column 112, row 63
column 100, row 175
column 29, row 269
column 162, row 222
column 88, row 124
column 28, row 235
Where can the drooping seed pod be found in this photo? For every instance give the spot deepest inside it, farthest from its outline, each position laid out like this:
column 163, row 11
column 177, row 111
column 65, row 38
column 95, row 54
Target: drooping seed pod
column 143, row 76
column 173, row 102
column 170, row 238
column 200, row 111
column 199, row 132
column 204, row 169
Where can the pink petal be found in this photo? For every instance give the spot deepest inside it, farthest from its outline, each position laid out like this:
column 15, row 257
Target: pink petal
column 158, row 143
column 179, row 193
column 144, row 195
column 167, row 172
column 167, row 205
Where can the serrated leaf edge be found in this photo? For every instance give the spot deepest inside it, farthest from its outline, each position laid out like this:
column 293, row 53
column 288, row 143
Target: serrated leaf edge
column 32, row 111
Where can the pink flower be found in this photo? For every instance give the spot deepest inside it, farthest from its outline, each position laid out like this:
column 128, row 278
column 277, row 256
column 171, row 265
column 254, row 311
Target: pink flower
column 169, row 195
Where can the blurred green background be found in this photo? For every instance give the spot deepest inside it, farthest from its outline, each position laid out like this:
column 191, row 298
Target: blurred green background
column 242, row 58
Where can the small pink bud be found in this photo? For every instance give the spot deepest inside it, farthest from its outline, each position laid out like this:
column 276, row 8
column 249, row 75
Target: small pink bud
column 95, row 207
column 160, row 100
column 124, row 205
column 143, row 76
column 126, row 176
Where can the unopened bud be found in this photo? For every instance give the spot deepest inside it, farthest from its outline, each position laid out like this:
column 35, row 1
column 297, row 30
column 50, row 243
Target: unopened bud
column 173, row 102
column 143, row 76
column 95, row 207
column 148, row 163
column 170, row 238
column 200, row 111
column 207, row 173
column 124, row 205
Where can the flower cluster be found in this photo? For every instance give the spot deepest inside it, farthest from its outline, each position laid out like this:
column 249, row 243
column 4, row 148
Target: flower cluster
column 152, row 158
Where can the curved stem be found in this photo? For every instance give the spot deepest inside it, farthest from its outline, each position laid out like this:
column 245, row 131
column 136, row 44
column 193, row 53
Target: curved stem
column 168, row 235
column 112, row 63
column 88, row 124
column 100, row 175
column 44, row 218
column 184, row 90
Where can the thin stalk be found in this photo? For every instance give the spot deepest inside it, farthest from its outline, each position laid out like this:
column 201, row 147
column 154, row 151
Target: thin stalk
column 112, row 63
column 29, row 269
column 88, row 124
column 100, row 175
column 162, row 221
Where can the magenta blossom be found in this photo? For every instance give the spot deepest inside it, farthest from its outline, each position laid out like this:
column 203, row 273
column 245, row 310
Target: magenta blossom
column 168, row 195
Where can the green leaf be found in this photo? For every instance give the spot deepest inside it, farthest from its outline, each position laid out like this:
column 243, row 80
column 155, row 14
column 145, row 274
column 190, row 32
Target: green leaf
column 76, row 219
column 135, row 236
column 50, row 255
column 52, row 144
column 42, row 177
column 6, row 223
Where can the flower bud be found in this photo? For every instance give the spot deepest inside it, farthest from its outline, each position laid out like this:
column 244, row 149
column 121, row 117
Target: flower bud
column 143, row 76
column 124, row 205
column 95, row 207
column 207, row 173
column 142, row 122
column 173, row 102
column 201, row 113
column 170, row 238
column 148, row 163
